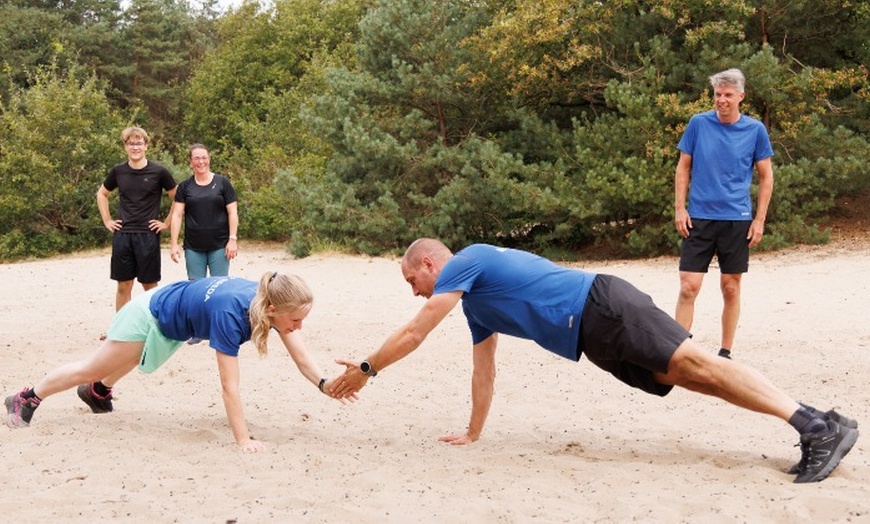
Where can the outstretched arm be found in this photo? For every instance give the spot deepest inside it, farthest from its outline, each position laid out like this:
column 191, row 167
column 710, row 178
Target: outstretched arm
column 299, row 353
column 399, row 345
column 482, row 382
column 228, row 367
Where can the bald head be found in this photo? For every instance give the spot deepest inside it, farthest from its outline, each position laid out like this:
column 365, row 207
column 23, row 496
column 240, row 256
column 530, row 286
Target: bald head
column 426, row 247
column 422, row 264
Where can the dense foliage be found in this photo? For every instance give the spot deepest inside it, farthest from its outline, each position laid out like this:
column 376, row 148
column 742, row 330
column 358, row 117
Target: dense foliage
column 364, row 124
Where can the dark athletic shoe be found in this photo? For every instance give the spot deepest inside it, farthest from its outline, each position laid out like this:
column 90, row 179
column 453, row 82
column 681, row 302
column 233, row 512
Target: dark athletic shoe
column 94, row 401
column 19, row 410
column 725, row 353
column 821, row 452
column 827, row 415
column 840, row 419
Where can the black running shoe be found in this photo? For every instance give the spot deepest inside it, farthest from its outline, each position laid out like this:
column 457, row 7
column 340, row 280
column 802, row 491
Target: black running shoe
column 827, row 415
column 97, row 403
column 20, row 410
column 725, row 353
column 821, row 452
column 839, row 419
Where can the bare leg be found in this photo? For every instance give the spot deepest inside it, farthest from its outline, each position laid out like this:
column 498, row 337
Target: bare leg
column 741, row 385
column 150, row 285
column 730, row 286
column 123, row 293
column 690, row 286
column 113, row 379
column 113, row 359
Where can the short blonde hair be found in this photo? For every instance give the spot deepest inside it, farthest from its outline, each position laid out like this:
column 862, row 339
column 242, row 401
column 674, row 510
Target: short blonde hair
column 285, row 293
column 134, row 132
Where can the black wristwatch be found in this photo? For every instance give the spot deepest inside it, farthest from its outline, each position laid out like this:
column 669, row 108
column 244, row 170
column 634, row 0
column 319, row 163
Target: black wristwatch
column 367, row 368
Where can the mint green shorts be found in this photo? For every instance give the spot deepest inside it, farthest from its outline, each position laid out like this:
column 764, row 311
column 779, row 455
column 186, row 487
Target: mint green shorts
column 135, row 323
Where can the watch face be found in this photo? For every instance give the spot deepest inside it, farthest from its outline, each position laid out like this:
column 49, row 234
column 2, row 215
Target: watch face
column 365, row 367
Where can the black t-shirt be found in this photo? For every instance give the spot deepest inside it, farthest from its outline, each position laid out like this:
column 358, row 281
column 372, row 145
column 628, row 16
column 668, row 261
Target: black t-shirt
column 206, row 223
column 139, row 192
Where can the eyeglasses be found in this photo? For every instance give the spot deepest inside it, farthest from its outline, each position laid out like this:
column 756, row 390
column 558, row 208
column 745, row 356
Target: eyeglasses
column 135, row 144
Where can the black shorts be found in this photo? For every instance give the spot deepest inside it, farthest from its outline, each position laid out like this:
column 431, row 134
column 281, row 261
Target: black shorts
column 136, row 256
column 726, row 239
column 624, row 333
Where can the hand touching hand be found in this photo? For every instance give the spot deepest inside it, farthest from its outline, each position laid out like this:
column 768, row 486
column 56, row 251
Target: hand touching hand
column 349, row 382
column 327, row 390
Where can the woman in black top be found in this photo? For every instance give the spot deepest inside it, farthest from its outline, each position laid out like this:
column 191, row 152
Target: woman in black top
column 208, row 203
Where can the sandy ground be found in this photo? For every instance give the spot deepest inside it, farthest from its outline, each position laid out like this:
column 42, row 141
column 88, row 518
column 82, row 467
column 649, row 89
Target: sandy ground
column 564, row 442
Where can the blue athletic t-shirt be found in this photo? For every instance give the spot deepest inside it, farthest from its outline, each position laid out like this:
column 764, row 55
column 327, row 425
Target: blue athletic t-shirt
column 213, row 309
column 519, row 294
column 723, row 160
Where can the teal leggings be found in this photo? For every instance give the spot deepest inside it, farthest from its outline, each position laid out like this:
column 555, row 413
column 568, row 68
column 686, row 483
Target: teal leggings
column 199, row 262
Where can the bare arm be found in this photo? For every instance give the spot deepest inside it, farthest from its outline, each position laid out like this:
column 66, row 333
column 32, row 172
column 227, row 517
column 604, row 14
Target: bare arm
column 682, row 220
column 228, row 367
column 765, row 192
column 299, row 353
column 232, row 248
column 307, row 366
column 175, row 230
column 158, row 226
column 482, row 387
column 103, row 206
column 400, row 344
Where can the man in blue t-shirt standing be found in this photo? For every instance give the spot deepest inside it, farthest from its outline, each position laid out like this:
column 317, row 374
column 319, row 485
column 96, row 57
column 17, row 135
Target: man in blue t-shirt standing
column 575, row 313
column 719, row 151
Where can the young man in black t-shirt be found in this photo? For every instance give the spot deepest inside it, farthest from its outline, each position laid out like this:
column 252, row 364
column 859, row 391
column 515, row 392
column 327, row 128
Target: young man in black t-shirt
column 136, row 233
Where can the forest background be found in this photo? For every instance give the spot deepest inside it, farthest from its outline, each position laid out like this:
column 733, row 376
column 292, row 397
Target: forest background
column 359, row 125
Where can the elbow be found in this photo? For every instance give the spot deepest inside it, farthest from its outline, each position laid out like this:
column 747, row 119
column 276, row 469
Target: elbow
column 229, row 390
column 414, row 339
column 412, row 336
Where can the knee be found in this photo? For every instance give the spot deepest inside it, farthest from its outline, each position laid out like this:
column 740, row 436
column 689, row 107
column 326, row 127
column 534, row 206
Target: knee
column 689, row 289
column 691, row 366
column 731, row 290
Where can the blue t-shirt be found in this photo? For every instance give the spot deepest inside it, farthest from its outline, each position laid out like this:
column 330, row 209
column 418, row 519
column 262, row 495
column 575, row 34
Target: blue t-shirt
column 519, row 294
column 213, row 309
column 723, row 160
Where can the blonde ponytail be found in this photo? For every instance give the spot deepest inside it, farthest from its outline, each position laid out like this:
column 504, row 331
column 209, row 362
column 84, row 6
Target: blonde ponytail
column 285, row 293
